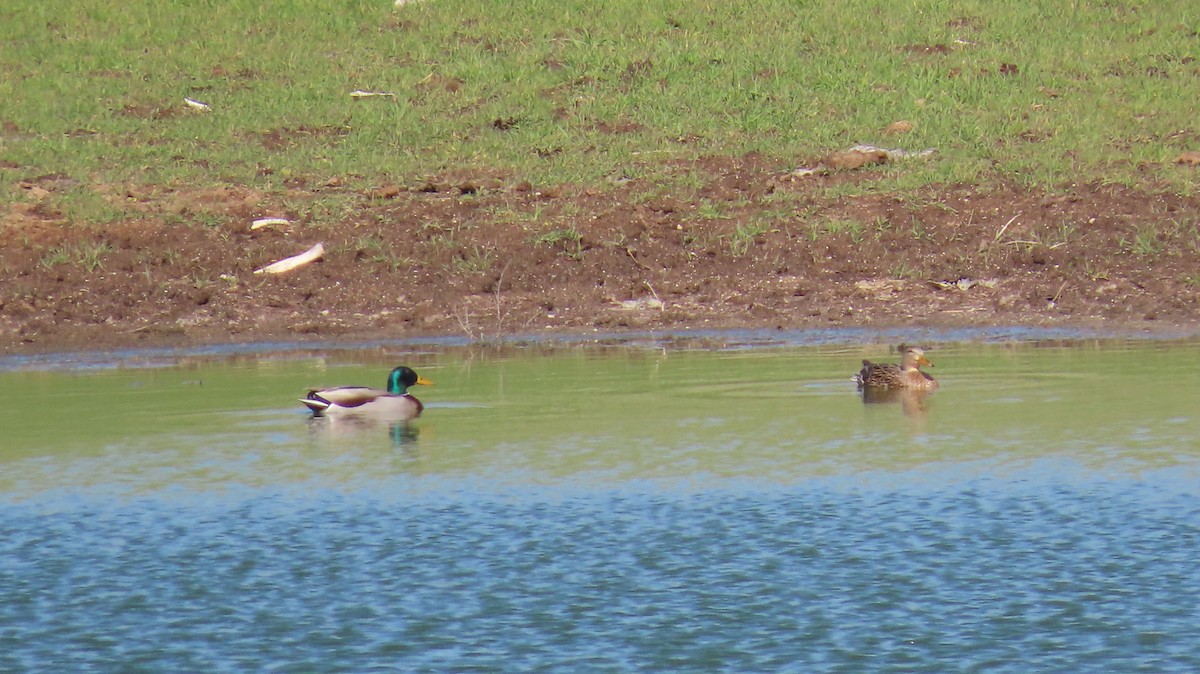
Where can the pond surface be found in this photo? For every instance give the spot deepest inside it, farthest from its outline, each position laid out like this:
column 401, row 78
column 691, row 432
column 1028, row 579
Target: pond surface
column 639, row 507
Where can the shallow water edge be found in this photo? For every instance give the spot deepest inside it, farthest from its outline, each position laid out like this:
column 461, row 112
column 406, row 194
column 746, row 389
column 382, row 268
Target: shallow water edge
column 159, row 356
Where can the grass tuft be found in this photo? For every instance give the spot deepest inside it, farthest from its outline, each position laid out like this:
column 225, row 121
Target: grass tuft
column 568, row 239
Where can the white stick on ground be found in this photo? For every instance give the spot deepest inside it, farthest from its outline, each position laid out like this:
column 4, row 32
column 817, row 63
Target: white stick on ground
column 290, row 263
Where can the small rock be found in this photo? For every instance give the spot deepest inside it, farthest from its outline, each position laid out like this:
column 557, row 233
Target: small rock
column 849, row 160
column 1189, row 158
column 641, row 304
column 384, row 192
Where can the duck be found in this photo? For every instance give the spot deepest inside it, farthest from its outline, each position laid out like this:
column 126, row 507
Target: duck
column 394, row 404
column 906, row 375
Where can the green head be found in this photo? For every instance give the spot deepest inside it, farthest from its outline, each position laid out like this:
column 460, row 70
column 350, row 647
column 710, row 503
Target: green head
column 403, row 377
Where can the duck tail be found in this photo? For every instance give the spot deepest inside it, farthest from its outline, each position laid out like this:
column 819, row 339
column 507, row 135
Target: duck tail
column 864, row 374
column 315, row 403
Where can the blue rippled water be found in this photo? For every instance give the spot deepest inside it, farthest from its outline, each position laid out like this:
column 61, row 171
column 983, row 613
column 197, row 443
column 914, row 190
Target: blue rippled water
column 1050, row 568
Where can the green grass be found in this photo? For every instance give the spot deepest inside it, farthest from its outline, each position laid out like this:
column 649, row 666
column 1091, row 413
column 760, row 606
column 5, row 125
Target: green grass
column 745, row 234
column 851, row 228
column 1145, row 242
column 375, row 250
column 87, row 255
column 474, row 261
column 55, row 256
column 568, row 239
column 570, row 91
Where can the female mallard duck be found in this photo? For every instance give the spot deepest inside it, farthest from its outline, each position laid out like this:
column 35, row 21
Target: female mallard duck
column 394, row 404
column 906, row 375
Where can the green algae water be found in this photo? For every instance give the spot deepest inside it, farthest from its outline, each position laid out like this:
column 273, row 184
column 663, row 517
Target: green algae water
column 633, row 507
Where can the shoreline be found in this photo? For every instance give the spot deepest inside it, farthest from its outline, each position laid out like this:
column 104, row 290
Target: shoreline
column 55, row 355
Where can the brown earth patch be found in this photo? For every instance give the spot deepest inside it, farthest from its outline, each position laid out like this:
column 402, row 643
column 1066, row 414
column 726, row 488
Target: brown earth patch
column 927, row 49
column 140, row 111
column 484, row 254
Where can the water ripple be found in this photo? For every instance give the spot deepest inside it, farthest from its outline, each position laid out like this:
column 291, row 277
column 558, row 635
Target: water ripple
column 1003, row 575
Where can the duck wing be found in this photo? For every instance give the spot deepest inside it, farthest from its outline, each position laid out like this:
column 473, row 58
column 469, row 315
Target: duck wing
column 344, row 396
column 878, row 374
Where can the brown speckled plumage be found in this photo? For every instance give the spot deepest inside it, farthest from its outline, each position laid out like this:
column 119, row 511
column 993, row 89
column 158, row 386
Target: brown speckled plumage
column 907, row 374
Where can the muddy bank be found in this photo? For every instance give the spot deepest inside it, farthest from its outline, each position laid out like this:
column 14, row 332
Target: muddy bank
column 481, row 256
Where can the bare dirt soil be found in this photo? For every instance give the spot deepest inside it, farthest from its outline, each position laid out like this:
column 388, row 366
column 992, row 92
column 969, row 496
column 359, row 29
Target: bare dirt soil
column 485, row 255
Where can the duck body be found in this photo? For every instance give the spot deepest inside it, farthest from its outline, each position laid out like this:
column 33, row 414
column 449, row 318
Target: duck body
column 393, row 403
column 906, row 375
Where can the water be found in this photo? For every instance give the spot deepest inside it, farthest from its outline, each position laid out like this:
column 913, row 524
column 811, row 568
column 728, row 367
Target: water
column 620, row 508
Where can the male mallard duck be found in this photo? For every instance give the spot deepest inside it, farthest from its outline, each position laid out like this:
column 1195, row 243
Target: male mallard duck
column 907, row 374
column 394, row 404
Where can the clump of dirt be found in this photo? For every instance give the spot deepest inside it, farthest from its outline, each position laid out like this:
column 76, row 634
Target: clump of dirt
column 484, row 255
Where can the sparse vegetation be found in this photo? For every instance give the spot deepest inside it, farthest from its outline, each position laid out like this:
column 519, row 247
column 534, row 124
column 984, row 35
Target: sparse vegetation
column 1145, row 242
column 88, row 255
column 744, row 235
column 55, row 256
column 568, row 239
column 902, row 270
column 377, row 251
column 475, row 260
column 851, row 228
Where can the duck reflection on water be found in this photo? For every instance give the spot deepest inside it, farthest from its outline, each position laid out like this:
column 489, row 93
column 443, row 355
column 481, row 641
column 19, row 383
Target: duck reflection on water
column 401, row 433
column 912, row 401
